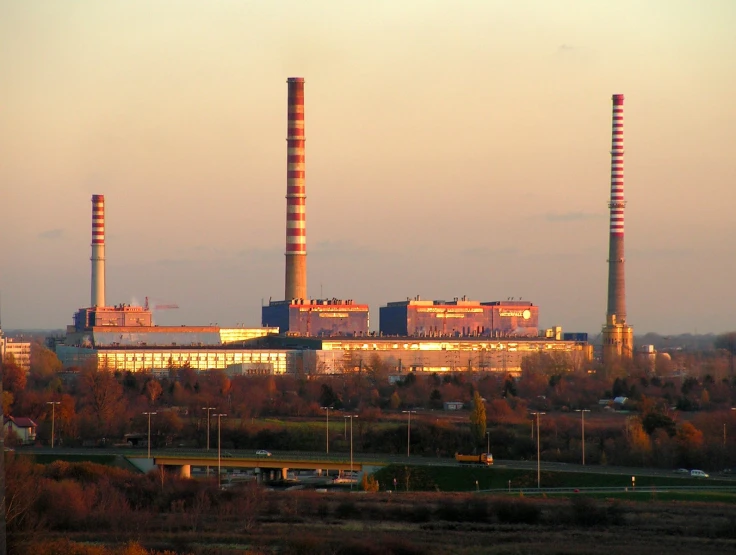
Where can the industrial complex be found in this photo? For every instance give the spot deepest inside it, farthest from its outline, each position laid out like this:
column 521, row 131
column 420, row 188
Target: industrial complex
column 326, row 336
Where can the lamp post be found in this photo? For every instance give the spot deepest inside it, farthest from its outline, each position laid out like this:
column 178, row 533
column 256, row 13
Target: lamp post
column 149, row 414
column 488, row 442
column 408, row 430
column 539, row 466
column 218, row 448
column 327, row 424
column 351, row 416
column 582, row 419
column 208, row 409
column 53, row 418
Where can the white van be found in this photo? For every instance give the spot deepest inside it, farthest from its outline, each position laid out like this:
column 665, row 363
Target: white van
column 698, row 474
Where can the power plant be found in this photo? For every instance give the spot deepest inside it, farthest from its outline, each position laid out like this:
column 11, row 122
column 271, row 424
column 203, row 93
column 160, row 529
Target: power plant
column 617, row 335
column 332, row 335
column 297, row 314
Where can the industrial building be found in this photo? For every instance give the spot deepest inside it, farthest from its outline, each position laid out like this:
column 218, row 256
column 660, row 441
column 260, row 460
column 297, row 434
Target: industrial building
column 459, row 318
column 297, row 314
column 399, row 355
column 317, row 318
column 316, row 336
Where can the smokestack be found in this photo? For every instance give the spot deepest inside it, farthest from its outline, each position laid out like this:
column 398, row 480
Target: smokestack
column 618, row 336
column 616, row 312
column 98, row 250
column 296, row 231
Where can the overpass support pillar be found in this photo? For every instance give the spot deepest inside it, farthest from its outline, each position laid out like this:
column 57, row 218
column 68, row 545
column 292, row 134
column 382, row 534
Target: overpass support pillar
column 284, row 473
column 185, row 471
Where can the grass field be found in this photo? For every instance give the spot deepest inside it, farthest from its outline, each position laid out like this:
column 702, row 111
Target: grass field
column 457, row 478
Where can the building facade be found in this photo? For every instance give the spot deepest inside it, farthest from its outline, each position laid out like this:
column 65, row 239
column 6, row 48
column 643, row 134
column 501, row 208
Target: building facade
column 317, row 317
column 19, row 350
column 459, row 318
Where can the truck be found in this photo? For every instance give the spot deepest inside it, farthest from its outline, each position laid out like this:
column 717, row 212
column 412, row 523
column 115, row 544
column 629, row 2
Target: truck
column 484, row 459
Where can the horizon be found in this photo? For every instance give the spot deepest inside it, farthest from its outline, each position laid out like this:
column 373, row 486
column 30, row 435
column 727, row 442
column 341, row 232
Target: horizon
column 451, row 149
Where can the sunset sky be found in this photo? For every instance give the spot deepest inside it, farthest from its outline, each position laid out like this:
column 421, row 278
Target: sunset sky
column 453, row 148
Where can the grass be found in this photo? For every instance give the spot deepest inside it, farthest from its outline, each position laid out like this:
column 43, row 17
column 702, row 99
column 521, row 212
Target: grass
column 458, row 478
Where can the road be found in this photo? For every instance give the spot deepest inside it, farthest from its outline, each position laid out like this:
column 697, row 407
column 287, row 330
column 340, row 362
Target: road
column 377, row 459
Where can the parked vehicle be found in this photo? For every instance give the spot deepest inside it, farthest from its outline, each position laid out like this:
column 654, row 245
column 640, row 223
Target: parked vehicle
column 483, row 458
column 698, row 474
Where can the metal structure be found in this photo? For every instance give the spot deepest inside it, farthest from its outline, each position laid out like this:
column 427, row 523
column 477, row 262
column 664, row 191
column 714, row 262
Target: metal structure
column 618, row 337
column 98, row 251
column 296, row 233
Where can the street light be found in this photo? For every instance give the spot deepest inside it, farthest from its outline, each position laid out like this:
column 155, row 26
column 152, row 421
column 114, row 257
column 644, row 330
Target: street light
column 208, row 409
column 351, row 416
column 149, row 431
column 539, row 466
column 53, row 417
column 218, row 448
column 327, row 420
column 408, row 430
column 488, row 442
column 582, row 416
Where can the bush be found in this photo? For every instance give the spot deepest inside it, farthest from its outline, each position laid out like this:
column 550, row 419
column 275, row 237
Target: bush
column 510, row 511
column 586, row 512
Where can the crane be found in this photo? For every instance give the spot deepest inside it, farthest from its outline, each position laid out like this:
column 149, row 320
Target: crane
column 161, row 306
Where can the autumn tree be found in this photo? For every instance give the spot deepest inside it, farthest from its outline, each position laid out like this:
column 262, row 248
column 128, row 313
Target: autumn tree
column 727, row 342
column 14, row 377
column 103, row 396
column 153, row 390
column 44, row 364
column 478, row 418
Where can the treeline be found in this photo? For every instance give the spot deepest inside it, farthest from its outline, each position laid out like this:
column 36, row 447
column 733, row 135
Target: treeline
column 672, row 420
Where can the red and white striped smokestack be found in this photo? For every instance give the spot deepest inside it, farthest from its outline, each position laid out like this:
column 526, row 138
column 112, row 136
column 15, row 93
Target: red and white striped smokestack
column 616, row 281
column 98, row 250
column 296, row 230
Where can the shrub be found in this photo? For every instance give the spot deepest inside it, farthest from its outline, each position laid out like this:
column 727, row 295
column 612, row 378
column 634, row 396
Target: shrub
column 516, row 512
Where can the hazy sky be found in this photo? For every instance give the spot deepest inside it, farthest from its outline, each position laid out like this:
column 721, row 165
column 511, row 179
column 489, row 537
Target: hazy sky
column 453, row 148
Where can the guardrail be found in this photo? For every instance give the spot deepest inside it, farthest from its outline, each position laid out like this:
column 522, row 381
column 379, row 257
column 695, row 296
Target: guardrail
column 615, row 489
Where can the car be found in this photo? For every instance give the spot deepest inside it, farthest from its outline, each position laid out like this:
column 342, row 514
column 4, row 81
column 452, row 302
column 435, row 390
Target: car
column 681, row 471
column 263, row 453
column 698, row 474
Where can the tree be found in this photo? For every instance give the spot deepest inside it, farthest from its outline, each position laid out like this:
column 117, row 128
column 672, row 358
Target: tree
column 478, row 418
column 103, row 395
column 14, row 377
column 153, row 390
column 44, row 363
column 727, row 342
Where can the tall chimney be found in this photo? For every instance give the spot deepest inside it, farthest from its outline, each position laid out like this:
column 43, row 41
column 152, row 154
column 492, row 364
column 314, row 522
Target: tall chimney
column 98, row 250
column 618, row 336
column 296, row 231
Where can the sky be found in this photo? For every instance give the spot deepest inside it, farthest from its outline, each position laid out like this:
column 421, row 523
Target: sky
column 453, row 148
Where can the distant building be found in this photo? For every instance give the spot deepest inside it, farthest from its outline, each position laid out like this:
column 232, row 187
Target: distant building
column 20, row 351
column 459, row 318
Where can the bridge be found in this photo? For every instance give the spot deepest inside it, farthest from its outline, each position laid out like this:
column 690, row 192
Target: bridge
column 183, row 463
